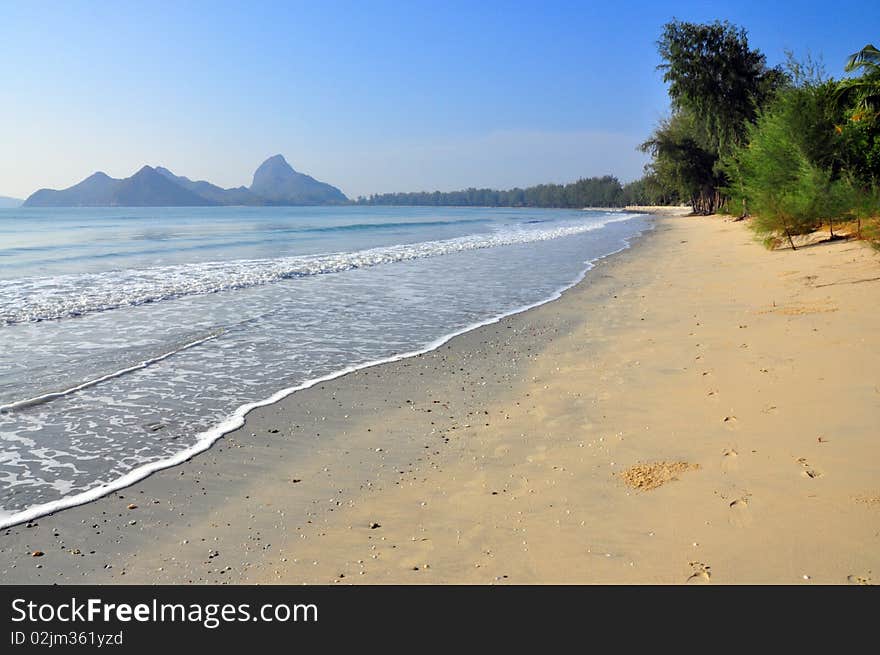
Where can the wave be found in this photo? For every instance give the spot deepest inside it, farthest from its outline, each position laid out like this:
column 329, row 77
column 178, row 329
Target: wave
column 206, row 439
column 47, row 397
column 359, row 227
column 67, row 296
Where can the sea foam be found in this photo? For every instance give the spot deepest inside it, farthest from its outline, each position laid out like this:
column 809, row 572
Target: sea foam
column 66, row 296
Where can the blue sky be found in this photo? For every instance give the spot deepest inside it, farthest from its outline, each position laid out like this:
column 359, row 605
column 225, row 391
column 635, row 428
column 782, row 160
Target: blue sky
column 370, row 96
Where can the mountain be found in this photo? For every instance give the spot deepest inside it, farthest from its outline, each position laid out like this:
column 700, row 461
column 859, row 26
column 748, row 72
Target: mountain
column 97, row 190
column 7, row 203
column 146, row 188
column 149, row 188
column 277, row 182
column 237, row 196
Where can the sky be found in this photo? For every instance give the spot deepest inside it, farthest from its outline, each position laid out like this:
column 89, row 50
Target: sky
column 369, row 96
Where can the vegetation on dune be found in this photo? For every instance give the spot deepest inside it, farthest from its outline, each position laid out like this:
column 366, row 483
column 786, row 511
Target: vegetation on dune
column 789, row 145
column 784, row 172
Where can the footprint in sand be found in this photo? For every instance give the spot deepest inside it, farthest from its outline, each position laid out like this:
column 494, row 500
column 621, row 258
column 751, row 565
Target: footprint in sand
column 809, row 472
column 700, row 574
column 740, row 516
column 729, row 460
column 859, row 579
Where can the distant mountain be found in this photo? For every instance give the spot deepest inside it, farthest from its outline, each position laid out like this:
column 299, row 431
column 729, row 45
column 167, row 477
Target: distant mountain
column 146, row 188
column 6, row 202
column 275, row 183
column 237, row 196
column 149, row 188
column 97, row 190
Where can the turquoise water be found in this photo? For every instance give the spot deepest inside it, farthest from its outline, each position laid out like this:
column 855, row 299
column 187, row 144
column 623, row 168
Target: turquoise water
column 131, row 338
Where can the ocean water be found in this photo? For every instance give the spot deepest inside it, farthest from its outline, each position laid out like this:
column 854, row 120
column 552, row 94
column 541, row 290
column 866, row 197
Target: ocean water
column 132, row 338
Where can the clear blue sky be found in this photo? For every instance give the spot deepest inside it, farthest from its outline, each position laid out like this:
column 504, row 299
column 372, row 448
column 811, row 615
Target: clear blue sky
column 370, row 96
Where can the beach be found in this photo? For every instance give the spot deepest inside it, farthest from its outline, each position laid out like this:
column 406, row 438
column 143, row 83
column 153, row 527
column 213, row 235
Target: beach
column 697, row 410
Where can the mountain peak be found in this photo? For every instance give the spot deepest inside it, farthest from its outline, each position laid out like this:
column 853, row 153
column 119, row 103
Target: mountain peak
column 277, row 164
column 280, row 184
column 275, row 183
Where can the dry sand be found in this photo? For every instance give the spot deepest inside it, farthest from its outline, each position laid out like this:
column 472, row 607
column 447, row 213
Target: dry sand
column 697, row 410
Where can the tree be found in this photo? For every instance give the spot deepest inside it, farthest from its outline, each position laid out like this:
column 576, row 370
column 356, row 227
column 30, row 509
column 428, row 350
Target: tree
column 862, row 93
column 717, row 85
column 713, row 74
column 788, row 170
column 858, row 98
column 682, row 164
column 603, row 191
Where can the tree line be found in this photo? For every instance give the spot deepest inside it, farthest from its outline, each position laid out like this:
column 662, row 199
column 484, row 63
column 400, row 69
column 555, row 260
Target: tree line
column 605, row 191
column 790, row 145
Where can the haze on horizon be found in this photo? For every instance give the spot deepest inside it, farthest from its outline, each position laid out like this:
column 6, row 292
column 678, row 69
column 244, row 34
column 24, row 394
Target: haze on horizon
column 371, row 99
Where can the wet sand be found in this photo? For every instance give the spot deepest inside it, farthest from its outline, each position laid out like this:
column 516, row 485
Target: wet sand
column 697, row 410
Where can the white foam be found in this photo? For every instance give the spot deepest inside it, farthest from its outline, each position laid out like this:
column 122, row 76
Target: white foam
column 207, row 438
column 44, row 398
column 63, row 296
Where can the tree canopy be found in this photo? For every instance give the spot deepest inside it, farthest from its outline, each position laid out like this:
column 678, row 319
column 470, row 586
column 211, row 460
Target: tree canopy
column 812, row 156
column 605, row 191
column 717, row 78
column 717, row 85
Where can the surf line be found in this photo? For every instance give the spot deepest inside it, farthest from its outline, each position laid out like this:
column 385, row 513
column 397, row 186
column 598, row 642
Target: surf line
column 48, row 397
column 208, row 438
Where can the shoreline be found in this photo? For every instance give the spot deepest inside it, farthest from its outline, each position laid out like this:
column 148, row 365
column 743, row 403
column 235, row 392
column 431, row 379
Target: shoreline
column 205, row 440
column 522, row 427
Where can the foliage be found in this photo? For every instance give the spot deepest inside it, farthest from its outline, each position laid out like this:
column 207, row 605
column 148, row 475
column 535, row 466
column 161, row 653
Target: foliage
column 862, row 93
column 648, row 191
column 717, row 85
column 715, row 76
column 603, row 191
column 788, row 170
column 683, row 164
column 859, row 99
column 790, row 145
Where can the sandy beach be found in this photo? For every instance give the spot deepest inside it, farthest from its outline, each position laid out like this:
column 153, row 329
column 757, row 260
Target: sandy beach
column 697, row 410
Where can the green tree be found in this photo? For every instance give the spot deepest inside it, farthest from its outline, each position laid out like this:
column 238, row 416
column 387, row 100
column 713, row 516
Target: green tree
column 682, row 164
column 788, row 169
column 714, row 75
column 858, row 98
column 862, row 93
column 717, row 85
column 603, row 191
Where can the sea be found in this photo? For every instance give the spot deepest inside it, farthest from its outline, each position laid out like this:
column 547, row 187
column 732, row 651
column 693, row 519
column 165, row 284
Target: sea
column 131, row 339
